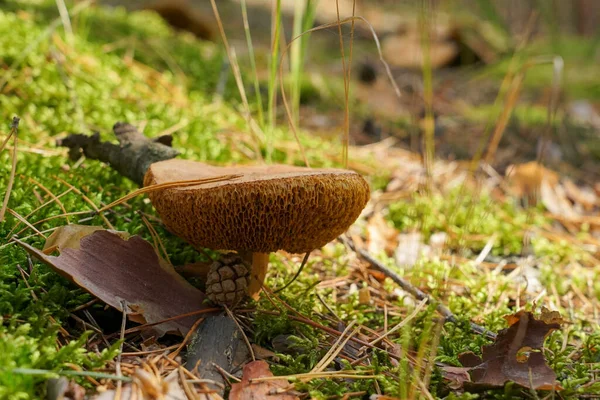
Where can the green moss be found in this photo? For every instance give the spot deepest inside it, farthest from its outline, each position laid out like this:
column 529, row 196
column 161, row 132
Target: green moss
column 470, row 221
column 525, row 115
column 580, row 79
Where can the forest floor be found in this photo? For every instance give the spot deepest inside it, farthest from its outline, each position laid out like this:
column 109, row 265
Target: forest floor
column 509, row 245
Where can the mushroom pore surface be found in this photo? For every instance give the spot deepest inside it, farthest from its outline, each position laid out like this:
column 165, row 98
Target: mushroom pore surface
column 268, row 208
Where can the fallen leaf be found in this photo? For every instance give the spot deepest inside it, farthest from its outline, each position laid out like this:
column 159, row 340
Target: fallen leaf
column 248, row 390
column 117, row 270
column 455, row 376
column 516, row 355
column 263, row 354
column 525, row 180
column 69, row 237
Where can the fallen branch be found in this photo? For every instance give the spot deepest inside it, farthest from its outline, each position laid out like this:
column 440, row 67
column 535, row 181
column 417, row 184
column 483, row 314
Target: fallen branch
column 412, row 290
column 131, row 157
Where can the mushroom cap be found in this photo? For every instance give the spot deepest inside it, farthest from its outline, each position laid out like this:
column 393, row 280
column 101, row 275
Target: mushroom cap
column 267, row 208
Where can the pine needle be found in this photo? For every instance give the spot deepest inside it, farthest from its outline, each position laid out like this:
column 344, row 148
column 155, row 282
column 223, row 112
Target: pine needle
column 14, row 130
column 167, row 185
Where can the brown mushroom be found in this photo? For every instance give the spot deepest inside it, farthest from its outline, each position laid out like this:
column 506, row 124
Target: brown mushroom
column 265, row 209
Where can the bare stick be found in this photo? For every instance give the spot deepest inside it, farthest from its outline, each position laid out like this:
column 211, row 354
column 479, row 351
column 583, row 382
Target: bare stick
column 14, row 130
column 131, row 157
column 412, row 290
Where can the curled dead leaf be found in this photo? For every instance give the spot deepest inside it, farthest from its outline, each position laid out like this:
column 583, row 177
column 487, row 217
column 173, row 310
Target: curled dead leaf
column 117, row 270
column 455, row 376
column 248, row 390
column 525, row 180
column 516, row 356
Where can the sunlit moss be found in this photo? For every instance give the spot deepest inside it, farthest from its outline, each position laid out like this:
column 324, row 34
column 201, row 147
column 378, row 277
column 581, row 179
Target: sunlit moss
column 469, row 220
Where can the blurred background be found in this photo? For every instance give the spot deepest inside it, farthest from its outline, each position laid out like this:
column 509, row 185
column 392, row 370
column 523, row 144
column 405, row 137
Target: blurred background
column 531, row 64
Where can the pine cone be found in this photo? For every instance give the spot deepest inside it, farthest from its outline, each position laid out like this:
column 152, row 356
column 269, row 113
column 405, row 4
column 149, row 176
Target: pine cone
column 228, row 279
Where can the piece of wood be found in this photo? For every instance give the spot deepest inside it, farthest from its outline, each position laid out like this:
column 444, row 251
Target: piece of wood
column 219, row 341
column 131, row 157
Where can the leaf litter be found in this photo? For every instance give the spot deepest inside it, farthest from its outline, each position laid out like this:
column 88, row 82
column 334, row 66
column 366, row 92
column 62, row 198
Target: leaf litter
column 67, row 239
column 357, row 278
column 516, row 355
column 124, row 271
column 271, row 389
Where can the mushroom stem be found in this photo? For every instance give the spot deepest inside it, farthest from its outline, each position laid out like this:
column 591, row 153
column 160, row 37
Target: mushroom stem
column 258, row 271
column 195, row 270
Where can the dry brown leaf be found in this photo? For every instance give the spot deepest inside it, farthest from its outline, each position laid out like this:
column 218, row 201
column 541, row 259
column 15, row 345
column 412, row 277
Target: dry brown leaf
column 263, row 354
column 516, row 356
column 117, row 270
column 69, row 237
column 455, row 376
column 246, row 390
column 525, row 180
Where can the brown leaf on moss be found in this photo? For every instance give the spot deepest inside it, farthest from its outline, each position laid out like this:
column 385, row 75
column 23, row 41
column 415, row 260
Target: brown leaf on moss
column 117, row 270
column 516, row 356
column 69, row 236
column 455, row 377
column 248, row 390
column 525, row 180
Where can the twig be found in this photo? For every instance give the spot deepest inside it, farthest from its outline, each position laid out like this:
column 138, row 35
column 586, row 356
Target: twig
column 412, row 290
column 226, row 375
column 241, row 332
column 131, row 157
column 14, row 130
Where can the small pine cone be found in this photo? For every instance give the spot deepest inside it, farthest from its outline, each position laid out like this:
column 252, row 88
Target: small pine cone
column 228, row 279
